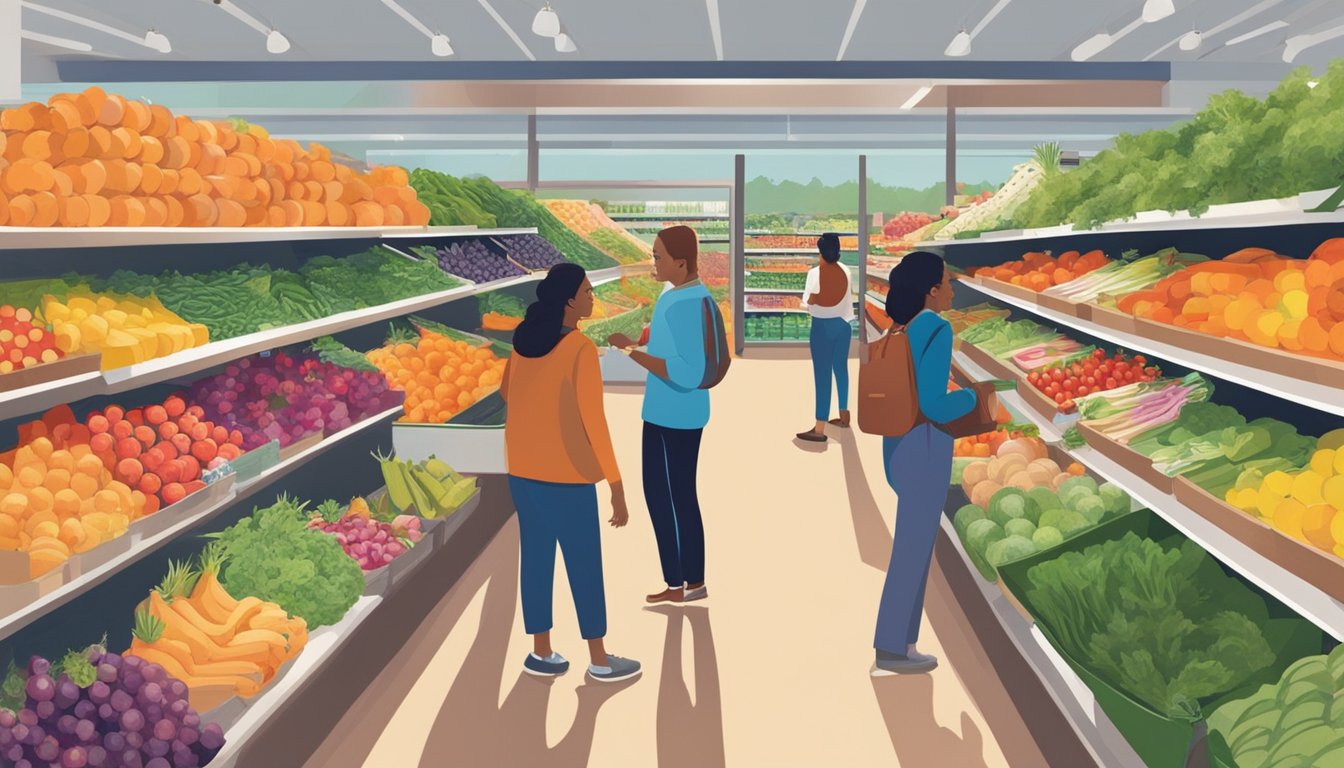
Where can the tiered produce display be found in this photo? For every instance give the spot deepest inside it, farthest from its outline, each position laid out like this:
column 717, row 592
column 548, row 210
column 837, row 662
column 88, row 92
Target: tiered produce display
column 441, row 373
column 591, row 222
column 94, row 159
column 481, row 202
column 1194, row 458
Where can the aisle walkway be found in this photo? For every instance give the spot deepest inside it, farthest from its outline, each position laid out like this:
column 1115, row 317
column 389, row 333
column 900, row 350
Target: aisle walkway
column 772, row 670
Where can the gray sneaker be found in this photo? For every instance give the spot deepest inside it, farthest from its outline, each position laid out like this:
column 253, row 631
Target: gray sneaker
column 617, row 669
column 551, row 666
column 912, row 663
column 699, row 593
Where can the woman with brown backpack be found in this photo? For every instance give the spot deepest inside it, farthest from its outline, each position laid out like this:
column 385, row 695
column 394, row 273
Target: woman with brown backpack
column 917, row 439
column 826, row 297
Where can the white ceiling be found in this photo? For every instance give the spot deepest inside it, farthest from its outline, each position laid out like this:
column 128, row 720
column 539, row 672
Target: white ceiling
column 681, row 30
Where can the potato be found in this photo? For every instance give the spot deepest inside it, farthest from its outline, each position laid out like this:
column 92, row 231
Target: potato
column 983, row 492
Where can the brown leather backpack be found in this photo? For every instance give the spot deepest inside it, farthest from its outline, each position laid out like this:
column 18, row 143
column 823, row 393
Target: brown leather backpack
column 888, row 393
column 834, row 285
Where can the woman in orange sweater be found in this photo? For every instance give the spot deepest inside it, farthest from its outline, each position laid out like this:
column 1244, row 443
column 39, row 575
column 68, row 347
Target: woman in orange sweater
column 558, row 448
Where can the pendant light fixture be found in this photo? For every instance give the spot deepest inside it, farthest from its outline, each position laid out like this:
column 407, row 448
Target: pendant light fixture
column 546, row 23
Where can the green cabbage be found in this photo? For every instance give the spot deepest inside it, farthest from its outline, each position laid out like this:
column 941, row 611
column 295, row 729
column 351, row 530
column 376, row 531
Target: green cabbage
column 1020, row 527
column 1047, row 537
column 1006, row 504
column 965, row 516
column 1008, row 550
column 981, row 533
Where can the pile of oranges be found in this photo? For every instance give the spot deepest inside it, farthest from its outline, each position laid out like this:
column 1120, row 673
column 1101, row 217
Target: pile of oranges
column 441, row 376
column 1256, row 295
column 1038, row 271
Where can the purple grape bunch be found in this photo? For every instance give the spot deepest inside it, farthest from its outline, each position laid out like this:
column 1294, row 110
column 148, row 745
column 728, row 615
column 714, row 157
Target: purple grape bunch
column 130, row 714
column 287, row 398
column 532, row 251
column 472, row 260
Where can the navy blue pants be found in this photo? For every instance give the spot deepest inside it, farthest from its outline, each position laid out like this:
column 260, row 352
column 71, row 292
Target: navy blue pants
column 671, row 458
column 829, row 342
column 919, row 468
column 551, row 514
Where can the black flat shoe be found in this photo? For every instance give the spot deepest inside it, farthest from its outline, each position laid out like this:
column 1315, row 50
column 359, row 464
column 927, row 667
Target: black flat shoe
column 842, row 422
column 812, row 436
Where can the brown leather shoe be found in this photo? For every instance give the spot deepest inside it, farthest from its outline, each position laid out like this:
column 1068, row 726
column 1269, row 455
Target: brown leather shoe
column 842, row 422
column 668, row 595
column 812, row 436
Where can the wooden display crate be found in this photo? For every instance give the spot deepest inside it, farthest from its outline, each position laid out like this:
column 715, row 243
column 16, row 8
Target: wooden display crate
column 299, row 446
column 1314, row 566
column 19, row 595
column 1008, row 289
column 1109, row 318
column 1314, row 369
column 1128, row 458
column 103, row 553
column 995, row 367
column 47, row 373
column 167, row 517
column 1060, row 305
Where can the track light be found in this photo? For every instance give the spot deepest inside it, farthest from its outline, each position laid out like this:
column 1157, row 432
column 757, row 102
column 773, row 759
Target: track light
column 1092, row 46
column 1157, row 10
column 438, row 45
column 1191, row 40
column 960, row 45
column 152, row 39
column 547, row 22
column 276, row 42
column 156, row 40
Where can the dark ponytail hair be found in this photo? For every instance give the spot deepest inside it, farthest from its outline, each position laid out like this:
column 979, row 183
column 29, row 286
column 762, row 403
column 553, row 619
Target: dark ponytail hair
column 543, row 325
column 911, row 280
column 828, row 245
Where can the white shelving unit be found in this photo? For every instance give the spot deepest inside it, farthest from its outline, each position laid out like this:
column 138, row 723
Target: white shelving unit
column 1303, row 597
column 42, row 238
column 1285, row 212
column 1094, row 729
column 1282, row 384
column 36, row 398
column 323, row 643
column 143, row 547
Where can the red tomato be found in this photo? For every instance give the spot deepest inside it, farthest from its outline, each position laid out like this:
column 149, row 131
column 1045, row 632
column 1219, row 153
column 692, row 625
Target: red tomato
column 1059, row 398
column 1111, row 383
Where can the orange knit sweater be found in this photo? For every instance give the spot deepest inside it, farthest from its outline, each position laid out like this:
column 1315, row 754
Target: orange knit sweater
column 556, row 429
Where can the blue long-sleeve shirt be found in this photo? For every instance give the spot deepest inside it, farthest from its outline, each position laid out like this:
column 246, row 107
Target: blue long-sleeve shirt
column 677, row 335
column 931, row 351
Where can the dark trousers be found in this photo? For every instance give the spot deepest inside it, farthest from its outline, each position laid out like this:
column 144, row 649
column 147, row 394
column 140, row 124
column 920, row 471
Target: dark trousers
column 671, row 457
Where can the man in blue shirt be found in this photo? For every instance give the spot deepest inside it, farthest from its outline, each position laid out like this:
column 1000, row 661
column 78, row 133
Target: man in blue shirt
column 675, row 413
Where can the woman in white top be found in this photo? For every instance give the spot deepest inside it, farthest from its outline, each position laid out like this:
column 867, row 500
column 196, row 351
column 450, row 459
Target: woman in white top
column 827, row 297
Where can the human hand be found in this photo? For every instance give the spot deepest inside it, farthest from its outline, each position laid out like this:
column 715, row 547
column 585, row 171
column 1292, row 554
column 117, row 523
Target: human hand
column 620, row 341
column 620, row 514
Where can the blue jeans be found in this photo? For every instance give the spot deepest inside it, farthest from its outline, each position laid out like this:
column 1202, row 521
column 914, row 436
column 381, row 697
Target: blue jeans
column 671, row 465
column 829, row 341
column 919, row 468
column 551, row 514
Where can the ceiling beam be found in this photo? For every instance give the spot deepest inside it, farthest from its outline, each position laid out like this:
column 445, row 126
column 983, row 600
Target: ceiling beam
column 849, row 29
column 356, row 71
column 715, row 27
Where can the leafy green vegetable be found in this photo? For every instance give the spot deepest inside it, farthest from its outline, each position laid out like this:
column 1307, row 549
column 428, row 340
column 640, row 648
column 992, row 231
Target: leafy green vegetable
column 481, row 202
column 618, row 246
column 501, row 303
column 1237, row 148
column 273, row 555
column 329, row 350
column 1166, row 625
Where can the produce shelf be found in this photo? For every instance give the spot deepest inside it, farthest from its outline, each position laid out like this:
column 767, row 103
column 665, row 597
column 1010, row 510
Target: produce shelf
column 1051, row 431
column 787, row 251
column 1094, row 728
column 144, row 545
column 323, row 643
column 1257, row 214
column 33, row 399
column 44, row 238
column 1280, row 384
column 786, row 291
column 1305, row 597
column 668, row 216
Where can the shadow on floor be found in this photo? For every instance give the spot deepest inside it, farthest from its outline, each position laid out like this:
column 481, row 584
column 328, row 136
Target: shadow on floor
column 689, row 734
column 870, row 528
column 471, row 729
column 906, row 703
